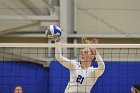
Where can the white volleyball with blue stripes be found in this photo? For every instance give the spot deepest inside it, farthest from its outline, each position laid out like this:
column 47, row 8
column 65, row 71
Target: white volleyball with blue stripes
column 53, row 31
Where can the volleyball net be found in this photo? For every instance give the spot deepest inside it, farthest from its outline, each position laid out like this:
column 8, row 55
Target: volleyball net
column 34, row 67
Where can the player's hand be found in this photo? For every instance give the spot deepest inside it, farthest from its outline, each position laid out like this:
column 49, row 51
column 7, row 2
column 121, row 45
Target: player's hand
column 57, row 39
column 94, row 41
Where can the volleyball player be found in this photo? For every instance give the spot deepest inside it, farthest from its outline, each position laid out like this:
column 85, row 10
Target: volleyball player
column 82, row 75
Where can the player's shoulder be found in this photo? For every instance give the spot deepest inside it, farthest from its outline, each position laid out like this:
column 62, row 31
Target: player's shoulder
column 91, row 68
column 75, row 63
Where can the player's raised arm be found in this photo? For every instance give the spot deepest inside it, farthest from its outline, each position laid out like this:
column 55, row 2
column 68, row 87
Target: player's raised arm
column 63, row 60
column 101, row 66
column 53, row 32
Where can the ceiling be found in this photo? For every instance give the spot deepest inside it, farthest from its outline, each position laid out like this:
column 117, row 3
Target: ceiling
column 26, row 18
column 23, row 21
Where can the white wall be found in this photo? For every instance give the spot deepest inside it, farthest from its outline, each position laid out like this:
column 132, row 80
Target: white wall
column 108, row 17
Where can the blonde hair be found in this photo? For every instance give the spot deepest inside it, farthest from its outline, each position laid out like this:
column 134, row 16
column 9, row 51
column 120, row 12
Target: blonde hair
column 88, row 41
column 85, row 40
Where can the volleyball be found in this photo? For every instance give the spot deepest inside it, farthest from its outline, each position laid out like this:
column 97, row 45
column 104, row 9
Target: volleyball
column 53, row 31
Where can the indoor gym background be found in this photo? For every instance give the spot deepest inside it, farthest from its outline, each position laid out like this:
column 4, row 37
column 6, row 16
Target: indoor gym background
column 23, row 22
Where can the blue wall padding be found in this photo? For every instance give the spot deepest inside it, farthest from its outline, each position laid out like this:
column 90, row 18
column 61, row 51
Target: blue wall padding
column 32, row 77
column 59, row 77
column 117, row 78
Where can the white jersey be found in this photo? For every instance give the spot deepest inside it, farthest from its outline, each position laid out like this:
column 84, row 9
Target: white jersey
column 81, row 80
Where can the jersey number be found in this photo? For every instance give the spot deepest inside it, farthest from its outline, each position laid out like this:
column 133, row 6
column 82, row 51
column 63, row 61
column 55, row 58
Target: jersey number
column 80, row 79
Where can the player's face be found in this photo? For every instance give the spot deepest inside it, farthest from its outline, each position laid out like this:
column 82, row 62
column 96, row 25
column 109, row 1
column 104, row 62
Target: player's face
column 86, row 55
column 18, row 90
